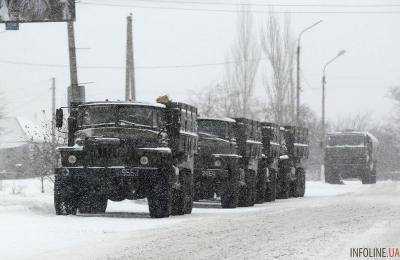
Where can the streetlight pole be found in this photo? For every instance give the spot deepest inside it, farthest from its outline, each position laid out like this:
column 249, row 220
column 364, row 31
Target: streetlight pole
column 323, row 127
column 298, row 89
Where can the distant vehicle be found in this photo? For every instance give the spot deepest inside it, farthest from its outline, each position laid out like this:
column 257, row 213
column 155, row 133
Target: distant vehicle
column 217, row 162
column 294, row 151
column 350, row 155
column 123, row 150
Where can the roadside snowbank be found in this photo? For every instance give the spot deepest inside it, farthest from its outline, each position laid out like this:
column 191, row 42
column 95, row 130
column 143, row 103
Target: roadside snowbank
column 29, row 226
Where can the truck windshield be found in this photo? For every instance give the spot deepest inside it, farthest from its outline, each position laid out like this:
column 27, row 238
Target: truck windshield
column 121, row 115
column 350, row 139
column 98, row 115
column 138, row 115
column 214, row 127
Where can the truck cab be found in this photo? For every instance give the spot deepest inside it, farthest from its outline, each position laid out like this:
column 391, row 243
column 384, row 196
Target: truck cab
column 350, row 154
column 217, row 161
column 124, row 150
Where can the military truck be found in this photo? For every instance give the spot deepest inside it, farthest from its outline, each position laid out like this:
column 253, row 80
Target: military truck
column 350, row 154
column 125, row 150
column 269, row 161
column 294, row 152
column 248, row 139
column 217, row 162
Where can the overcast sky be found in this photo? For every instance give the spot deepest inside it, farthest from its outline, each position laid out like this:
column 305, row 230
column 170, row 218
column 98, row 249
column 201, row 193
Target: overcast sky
column 357, row 81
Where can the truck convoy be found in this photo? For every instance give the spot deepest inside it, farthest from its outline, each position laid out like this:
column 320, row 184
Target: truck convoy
column 242, row 161
column 163, row 152
column 350, row 154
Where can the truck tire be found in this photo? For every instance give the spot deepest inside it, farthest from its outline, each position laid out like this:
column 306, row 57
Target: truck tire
column 182, row 197
column 300, row 183
column 373, row 175
column 271, row 187
column 331, row 176
column 283, row 183
column 64, row 199
column 230, row 190
column 247, row 192
column 369, row 176
column 189, row 193
column 159, row 198
column 261, row 185
column 365, row 177
column 92, row 203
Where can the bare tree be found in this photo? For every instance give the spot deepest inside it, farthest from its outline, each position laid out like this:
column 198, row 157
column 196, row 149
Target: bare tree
column 43, row 156
column 361, row 121
column 239, row 80
column 207, row 101
column 279, row 48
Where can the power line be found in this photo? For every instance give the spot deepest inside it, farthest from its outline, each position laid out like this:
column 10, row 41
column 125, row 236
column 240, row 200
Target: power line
column 48, row 65
column 236, row 11
column 270, row 4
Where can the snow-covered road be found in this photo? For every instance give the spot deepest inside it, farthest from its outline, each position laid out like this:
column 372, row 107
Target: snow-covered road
column 329, row 221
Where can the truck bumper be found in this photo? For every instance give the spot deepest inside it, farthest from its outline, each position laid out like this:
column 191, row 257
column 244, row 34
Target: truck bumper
column 348, row 170
column 128, row 172
column 214, row 173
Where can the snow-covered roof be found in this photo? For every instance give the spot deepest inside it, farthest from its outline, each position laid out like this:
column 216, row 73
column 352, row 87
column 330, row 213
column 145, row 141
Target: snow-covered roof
column 97, row 103
column 365, row 133
column 17, row 131
column 225, row 119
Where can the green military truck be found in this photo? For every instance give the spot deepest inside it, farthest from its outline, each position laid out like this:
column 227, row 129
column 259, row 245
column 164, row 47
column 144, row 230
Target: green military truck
column 269, row 161
column 294, row 152
column 350, row 154
column 249, row 142
column 124, row 150
column 217, row 162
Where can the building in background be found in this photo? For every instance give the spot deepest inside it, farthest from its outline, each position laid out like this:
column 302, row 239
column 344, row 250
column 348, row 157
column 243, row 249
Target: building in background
column 19, row 142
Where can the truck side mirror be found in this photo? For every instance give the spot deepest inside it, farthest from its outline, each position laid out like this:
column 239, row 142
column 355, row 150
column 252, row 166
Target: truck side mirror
column 59, row 118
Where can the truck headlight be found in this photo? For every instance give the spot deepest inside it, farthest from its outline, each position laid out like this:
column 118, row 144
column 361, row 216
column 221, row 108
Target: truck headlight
column 144, row 160
column 72, row 159
column 217, row 163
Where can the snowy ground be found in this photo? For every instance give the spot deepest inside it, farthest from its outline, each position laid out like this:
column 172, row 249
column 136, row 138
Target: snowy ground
column 326, row 223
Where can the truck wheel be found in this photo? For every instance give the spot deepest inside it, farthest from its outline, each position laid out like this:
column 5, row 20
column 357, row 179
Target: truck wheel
column 64, row 200
column 283, row 183
column 230, row 190
column 271, row 187
column 331, row 176
column 247, row 192
column 182, row 197
column 189, row 194
column 373, row 175
column 159, row 198
column 365, row 177
column 300, row 183
column 261, row 185
column 92, row 203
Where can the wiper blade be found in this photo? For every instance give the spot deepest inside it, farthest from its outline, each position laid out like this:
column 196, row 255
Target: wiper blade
column 99, row 124
column 127, row 122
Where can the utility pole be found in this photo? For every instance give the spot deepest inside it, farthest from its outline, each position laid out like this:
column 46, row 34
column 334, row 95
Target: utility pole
column 130, row 90
column 75, row 93
column 292, row 100
column 53, row 111
column 298, row 88
column 323, row 126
